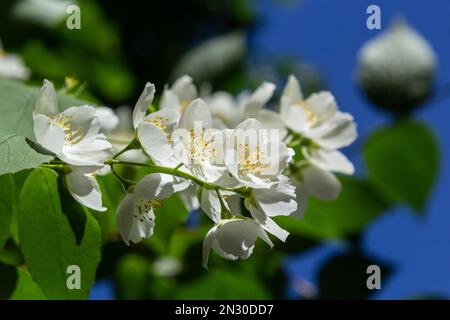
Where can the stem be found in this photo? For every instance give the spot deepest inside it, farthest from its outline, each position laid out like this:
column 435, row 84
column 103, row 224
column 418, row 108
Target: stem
column 176, row 172
column 134, row 144
column 223, row 206
column 125, row 182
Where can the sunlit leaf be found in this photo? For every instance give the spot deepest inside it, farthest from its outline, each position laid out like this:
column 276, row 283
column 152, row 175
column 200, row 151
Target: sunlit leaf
column 26, row 288
column 402, row 162
column 55, row 233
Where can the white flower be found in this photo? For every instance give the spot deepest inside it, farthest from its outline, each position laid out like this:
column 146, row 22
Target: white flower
column 233, row 239
column 254, row 156
column 136, row 211
column 84, row 188
column 314, row 181
column 73, row 135
column 12, row 66
column 317, row 118
column 180, row 95
column 193, row 144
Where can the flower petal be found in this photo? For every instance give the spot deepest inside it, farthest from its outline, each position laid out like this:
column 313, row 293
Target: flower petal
column 293, row 115
column 280, row 199
column 210, row 204
column 140, row 109
column 48, row 134
column 331, row 160
column 158, row 186
column 185, row 89
column 257, row 100
column 320, row 183
column 207, row 245
column 154, row 141
column 196, row 116
column 293, row 90
column 108, row 119
column 46, row 102
column 84, row 188
column 338, row 132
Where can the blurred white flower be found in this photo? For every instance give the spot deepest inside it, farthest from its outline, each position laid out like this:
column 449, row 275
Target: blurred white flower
column 180, row 95
column 108, row 119
column 12, row 66
column 228, row 111
column 73, row 135
column 167, row 266
column 233, row 239
column 397, row 68
column 44, row 12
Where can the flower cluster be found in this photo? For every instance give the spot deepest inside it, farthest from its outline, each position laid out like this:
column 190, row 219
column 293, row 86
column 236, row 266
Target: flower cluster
column 216, row 151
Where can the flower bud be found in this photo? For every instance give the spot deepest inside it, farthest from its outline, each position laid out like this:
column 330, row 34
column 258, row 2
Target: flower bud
column 396, row 69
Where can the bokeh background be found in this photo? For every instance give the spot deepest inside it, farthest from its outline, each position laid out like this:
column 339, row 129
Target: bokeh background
column 401, row 224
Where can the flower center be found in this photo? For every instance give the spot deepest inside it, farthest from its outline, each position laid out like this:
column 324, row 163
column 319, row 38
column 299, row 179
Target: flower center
column 311, row 117
column 143, row 207
column 201, row 146
column 71, row 136
column 251, row 160
column 160, row 122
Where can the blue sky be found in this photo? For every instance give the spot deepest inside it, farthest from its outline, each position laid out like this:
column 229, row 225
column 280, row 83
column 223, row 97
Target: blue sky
column 328, row 34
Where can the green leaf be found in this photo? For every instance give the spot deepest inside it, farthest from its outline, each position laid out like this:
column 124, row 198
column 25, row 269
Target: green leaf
column 169, row 217
column 133, row 277
column 16, row 155
column 357, row 205
column 26, row 288
column 223, row 284
column 16, row 107
column 55, row 233
column 345, row 276
column 112, row 192
column 7, row 193
column 8, row 280
column 402, row 162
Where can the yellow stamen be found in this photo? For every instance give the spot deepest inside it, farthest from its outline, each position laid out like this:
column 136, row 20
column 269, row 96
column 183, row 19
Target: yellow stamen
column 71, row 137
column 251, row 161
column 144, row 206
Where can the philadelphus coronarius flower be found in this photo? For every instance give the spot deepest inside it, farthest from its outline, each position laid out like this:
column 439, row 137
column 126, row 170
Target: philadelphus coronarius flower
column 318, row 122
column 135, row 214
column 12, row 66
column 73, row 136
column 238, row 167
